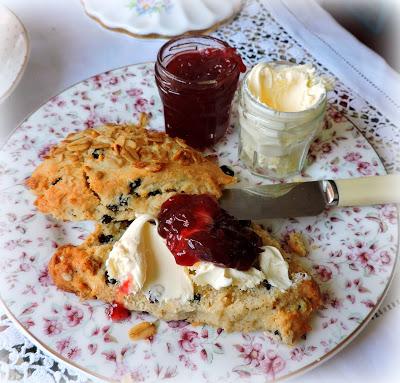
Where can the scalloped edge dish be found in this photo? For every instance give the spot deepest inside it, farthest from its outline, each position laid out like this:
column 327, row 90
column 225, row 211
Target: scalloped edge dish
column 157, row 30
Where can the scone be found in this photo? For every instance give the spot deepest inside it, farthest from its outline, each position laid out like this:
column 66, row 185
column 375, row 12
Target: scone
column 287, row 314
column 114, row 171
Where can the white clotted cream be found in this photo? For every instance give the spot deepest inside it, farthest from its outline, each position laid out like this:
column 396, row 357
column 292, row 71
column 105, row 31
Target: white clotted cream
column 142, row 257
column 281, row 109
column 286, row 88
column 272, row 267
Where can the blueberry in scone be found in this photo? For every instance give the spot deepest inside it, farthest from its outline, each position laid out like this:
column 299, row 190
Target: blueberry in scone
column 235, row 300
column 113, row 172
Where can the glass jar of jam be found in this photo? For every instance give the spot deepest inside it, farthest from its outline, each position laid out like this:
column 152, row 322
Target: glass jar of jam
column 197, row 77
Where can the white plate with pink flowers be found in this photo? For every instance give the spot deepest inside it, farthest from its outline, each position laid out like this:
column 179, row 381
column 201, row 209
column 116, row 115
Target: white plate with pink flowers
column 352, row 253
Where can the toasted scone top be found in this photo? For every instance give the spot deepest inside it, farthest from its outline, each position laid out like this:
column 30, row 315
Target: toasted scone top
column 114, row 171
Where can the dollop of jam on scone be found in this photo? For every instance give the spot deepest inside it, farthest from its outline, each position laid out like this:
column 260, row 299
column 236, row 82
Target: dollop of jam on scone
column 197, row 229
column 264, row 307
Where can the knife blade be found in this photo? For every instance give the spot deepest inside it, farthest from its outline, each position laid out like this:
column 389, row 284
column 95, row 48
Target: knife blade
column 308, row 198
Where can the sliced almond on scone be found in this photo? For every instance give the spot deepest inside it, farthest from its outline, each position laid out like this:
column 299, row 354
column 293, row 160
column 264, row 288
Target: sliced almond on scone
column 118, row 171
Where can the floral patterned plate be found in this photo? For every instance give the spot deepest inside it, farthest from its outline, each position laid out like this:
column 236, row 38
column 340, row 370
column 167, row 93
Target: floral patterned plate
column 353, row 253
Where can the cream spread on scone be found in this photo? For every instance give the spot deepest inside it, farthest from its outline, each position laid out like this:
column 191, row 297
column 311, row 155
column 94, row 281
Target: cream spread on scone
column 206, row 273
column 273, row 268
column 142, row 258
column 127, row 259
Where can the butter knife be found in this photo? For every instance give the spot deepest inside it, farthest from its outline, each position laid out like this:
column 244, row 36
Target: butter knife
column 309, row 198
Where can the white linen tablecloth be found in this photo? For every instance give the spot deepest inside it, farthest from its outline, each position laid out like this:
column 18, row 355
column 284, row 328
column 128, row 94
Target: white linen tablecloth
column 67, row 47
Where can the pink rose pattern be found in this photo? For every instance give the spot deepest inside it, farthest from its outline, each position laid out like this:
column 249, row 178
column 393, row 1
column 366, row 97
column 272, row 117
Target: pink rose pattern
column 353, row 250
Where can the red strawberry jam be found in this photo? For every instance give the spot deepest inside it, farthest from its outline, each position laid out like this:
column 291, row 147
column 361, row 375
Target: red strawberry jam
column 125, row 286
column 210, row 64
column 197, row 77
column 197, row 229
column 117, row 312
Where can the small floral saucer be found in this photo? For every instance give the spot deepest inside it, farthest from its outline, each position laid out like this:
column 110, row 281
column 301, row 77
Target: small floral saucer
column 14, row 51
column 157, row 18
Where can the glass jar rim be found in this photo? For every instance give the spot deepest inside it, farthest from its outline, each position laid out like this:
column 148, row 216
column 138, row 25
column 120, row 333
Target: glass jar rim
column 315, row 107
column 192, row 36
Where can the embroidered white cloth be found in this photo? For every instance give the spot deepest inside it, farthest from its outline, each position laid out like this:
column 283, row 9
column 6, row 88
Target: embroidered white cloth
column 67, row 47
column 364, row 71
column 372, row 356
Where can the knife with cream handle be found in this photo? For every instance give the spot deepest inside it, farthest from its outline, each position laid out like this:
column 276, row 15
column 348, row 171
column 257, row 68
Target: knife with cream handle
column 309, row 198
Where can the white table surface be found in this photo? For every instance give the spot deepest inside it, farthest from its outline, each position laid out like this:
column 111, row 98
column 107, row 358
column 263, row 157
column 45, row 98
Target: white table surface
column 66, row 47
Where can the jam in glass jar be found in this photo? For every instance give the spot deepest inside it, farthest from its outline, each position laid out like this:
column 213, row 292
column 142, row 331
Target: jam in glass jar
column 197, row 77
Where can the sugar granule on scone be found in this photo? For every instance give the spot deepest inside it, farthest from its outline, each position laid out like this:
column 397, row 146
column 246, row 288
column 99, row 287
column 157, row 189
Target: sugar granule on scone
column 275, row 294
column 113, row 172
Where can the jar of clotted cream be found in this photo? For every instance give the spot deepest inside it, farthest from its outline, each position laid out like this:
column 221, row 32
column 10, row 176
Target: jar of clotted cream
column 281, row 110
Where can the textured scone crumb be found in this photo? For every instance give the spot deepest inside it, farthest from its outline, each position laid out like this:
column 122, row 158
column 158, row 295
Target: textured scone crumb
column 263, row 308
column 297, row 244
column 143, row 330
column 114, row 171
column 196, row 324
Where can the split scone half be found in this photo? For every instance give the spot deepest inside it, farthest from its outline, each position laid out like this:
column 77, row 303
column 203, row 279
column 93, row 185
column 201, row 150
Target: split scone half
column 114, row 171
column 285, row 313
